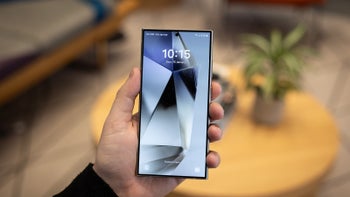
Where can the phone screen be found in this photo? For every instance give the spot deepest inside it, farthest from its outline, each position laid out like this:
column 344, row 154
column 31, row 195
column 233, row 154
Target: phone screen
column 174, row 102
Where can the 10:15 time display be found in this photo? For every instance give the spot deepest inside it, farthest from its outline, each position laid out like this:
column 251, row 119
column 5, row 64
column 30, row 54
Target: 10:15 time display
column 171, row 53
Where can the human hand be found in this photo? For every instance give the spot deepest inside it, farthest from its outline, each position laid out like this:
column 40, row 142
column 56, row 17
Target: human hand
column 117, row 149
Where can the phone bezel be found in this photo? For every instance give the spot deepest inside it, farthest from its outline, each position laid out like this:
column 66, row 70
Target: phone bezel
column 210, row 56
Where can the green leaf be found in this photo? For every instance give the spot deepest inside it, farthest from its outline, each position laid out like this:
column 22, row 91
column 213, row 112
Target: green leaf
column 252, row 69
column 255, row 61
column 293, row 65
column 294, row 37
column 275, row 45
column 257, row 42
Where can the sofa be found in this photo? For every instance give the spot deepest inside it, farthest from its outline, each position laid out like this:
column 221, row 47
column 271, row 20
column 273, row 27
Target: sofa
column 40, row 37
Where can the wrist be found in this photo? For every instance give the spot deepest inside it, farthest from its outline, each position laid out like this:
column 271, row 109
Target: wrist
column 88, row 183
column 119, row 188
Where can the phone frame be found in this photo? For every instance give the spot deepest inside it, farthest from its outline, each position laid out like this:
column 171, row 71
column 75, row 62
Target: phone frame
column 210, row 66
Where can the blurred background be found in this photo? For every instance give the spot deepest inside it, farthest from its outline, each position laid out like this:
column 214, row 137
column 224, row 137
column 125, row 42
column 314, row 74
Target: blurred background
column 57, row 58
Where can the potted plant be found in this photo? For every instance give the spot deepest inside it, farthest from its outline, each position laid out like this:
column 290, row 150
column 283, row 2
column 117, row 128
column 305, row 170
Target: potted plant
column 273, row 68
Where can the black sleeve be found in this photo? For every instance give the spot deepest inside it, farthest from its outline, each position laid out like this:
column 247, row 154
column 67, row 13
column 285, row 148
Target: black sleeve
column 87, row 183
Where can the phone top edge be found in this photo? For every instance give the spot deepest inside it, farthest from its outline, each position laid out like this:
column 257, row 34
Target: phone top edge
column 182, row 30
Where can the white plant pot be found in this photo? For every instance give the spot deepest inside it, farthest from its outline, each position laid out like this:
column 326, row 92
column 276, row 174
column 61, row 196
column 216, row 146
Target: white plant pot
column 266, row 111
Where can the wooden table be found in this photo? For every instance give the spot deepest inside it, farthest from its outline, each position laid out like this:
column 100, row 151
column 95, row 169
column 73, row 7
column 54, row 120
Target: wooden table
column 289, row 159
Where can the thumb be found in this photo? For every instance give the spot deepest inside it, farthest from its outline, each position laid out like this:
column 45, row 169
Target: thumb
column 121, row 111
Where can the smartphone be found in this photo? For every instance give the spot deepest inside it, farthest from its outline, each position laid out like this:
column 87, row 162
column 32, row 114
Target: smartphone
column 176, row 70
